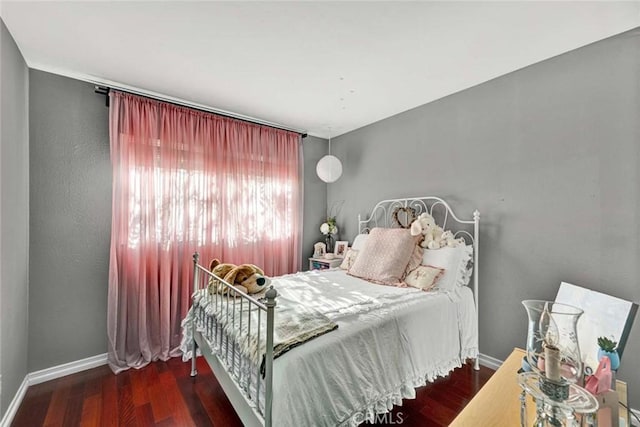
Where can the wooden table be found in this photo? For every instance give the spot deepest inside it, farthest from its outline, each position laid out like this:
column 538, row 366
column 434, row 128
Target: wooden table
column 498, row 402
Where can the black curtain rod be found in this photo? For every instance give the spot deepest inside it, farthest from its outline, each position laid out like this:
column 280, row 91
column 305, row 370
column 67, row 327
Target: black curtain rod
column 104, row 90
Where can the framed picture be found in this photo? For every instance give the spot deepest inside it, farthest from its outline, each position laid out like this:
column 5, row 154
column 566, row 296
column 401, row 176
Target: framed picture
column 341, row 248
column 604, row 316
column 319, row 249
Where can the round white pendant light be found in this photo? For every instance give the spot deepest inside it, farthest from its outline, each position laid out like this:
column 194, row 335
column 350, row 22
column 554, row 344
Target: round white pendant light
column 329, row 168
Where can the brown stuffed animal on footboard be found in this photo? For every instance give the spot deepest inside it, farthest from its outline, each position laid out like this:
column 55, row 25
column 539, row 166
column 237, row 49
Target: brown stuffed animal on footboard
column 247, row 278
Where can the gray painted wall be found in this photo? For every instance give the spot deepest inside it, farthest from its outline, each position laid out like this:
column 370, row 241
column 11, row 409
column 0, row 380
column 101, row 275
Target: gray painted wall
column 71, row 218
column 70, row 221
column 14, row 216
column 550, row 155
column 315, row 196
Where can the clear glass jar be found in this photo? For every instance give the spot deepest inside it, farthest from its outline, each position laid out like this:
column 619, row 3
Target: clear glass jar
column 552, row 341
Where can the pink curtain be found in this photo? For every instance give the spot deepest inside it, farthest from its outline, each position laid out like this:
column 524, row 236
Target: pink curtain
column 187, row 181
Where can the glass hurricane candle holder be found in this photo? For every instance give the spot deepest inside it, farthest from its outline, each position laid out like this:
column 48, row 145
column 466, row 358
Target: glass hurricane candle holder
column 552, row 346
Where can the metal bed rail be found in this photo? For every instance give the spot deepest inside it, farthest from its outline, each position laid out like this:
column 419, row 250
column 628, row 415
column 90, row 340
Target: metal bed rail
column 226, row 350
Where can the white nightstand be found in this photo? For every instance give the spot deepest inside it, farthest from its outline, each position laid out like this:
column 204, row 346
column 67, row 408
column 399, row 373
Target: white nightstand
column 323, row 263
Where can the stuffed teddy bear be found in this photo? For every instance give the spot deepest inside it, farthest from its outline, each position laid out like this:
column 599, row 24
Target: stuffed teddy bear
column 220, row 270
column 248, row 278
column 422, row 224
column 448, row 239
column 434, row 236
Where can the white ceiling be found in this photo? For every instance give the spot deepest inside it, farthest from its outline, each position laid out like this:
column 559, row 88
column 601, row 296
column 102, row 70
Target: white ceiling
column 323, row 67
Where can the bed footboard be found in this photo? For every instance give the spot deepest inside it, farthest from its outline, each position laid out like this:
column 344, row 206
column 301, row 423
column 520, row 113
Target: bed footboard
column 238, row 377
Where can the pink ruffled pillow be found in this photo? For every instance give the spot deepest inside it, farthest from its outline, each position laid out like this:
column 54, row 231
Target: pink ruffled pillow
column 384, row 256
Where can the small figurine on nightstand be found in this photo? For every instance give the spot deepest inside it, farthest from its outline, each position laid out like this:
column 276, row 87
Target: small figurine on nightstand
column 319, row 250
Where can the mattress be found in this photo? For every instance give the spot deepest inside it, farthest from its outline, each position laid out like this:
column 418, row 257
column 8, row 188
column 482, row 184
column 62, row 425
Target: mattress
column 389, row 341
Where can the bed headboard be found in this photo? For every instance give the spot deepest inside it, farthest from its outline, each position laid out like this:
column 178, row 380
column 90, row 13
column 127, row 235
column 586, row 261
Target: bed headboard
column 387, row 213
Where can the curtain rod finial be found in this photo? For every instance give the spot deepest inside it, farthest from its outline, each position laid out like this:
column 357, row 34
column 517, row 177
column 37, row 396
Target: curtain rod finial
column 102, row 90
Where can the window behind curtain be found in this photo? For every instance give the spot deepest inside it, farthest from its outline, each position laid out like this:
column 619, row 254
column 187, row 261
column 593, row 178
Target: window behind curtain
column 187, row 181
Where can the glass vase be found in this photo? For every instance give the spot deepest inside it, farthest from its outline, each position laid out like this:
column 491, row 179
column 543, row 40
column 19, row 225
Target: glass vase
column 329, row 241
column 553, row 351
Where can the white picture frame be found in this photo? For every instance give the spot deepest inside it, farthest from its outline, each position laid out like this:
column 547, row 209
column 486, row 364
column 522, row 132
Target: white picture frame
column 340, row 249
column 319, row 250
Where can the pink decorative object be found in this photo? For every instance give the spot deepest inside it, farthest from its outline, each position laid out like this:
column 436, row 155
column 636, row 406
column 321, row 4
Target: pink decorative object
column 600, row 381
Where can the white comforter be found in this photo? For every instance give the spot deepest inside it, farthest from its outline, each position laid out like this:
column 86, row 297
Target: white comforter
column 388, row 342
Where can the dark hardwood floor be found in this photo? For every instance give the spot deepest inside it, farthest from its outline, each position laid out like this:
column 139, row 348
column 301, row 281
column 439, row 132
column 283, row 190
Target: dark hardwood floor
column 163, row 394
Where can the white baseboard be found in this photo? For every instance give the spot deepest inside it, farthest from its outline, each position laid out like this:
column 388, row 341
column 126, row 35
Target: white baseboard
column 49, row 374
column 490, row 362
column 67, row 369
column 15, row 403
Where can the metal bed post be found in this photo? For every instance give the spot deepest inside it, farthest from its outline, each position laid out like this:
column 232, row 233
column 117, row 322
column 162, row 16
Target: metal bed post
column 476, row 249
column 270, row 303
column 194, row 371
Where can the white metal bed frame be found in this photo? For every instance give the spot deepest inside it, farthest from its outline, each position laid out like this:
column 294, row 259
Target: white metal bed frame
column 237, row 387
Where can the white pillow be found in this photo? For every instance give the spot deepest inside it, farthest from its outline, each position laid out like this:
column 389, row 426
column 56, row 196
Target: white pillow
column 456, row 263
column 359, row 241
